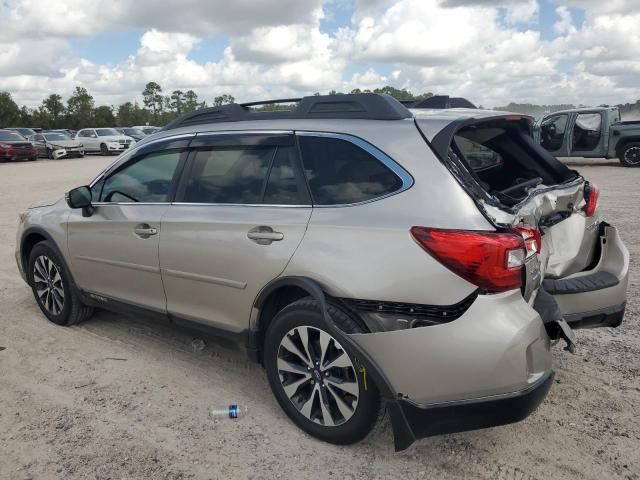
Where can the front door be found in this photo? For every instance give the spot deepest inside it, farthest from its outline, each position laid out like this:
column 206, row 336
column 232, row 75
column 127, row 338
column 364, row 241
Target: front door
column 587, row 138
column 242, row 210
column 553, row 134
column 114, row 252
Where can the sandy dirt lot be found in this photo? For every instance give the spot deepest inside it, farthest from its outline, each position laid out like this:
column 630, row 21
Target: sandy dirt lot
column 123, row 398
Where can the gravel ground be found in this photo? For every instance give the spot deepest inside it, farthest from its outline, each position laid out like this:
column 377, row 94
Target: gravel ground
column 122, row 398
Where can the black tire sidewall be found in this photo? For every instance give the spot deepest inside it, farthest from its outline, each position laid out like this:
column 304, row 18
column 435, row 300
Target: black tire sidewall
column 624, row 151
column 368, row 408
column 44, row 249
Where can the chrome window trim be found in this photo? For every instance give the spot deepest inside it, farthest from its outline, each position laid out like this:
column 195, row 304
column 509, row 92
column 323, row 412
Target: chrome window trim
column 405, row 177
column 132, row 151
column 390, row 163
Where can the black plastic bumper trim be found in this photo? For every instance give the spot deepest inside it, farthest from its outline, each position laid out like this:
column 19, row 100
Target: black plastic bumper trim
column 428, row 420
column 604, row 317
column 584, row 284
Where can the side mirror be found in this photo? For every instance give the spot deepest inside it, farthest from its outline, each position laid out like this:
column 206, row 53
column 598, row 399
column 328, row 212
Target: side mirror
column 80, row 197
column 93, row 135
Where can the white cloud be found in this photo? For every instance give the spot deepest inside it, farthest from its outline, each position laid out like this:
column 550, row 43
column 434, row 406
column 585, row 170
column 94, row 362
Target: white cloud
column 490, row 51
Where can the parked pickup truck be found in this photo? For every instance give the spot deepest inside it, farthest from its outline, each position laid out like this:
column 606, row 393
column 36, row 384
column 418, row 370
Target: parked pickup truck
column 590, row 132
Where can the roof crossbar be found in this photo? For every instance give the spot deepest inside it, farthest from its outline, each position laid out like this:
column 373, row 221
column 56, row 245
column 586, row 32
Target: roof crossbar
column 370, row 106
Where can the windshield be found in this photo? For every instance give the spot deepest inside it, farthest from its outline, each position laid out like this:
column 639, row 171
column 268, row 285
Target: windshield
column 10, row 137
column 149, row 131
column 25, row 132
column 105, row 132
column 133, row 131
column 56, row 136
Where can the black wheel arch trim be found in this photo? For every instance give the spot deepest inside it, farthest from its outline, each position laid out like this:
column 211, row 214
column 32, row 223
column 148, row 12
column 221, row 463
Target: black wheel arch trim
column 402, row 433
column 43, row 233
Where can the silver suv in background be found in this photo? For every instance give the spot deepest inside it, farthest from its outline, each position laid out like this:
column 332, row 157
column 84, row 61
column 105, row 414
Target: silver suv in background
column 350, row 246
column 104, row 140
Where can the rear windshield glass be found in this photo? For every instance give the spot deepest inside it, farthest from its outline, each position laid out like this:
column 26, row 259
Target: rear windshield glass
column 504, row 160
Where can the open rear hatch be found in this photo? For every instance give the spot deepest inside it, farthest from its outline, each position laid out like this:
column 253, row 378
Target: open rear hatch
column 581, row 262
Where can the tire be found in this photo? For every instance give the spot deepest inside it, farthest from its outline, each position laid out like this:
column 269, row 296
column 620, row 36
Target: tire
column 61, row 305
column 357, row 415
column 630, row 155
column 104, row 150
column 49, row 154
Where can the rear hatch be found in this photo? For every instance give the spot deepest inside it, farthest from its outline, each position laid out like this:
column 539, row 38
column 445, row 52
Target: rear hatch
column 516, row 182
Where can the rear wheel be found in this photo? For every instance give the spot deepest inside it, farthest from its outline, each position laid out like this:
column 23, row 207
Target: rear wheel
column 52, row 288
column 316, row 378
column 630, row 155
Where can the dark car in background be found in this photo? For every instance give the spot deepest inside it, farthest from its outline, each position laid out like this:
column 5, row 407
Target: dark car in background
column 135, row 133
column 14, row 147
column 22, row 131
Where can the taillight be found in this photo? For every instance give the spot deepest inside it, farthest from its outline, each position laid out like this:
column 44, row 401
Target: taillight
column 491, row 260
column 592, row 192
column 532, row 238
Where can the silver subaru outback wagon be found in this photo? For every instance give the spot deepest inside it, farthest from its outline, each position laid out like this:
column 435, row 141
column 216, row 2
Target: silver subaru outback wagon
column 372, row 257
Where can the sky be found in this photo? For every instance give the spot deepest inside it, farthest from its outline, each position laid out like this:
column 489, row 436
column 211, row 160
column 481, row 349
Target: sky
column 489, row 51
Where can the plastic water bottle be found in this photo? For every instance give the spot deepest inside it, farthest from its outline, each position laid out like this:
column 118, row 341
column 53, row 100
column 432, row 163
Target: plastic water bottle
column 232, row 411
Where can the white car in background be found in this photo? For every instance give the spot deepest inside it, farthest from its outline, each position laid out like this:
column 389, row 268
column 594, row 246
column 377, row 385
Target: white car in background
column 104, row 140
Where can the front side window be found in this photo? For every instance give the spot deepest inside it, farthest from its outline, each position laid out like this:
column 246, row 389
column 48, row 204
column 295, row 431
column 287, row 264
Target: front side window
column 147, row 180
column 340, row 172
column 552, row 132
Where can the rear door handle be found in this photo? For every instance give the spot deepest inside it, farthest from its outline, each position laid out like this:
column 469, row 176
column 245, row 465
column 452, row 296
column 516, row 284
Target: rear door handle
column 264, row 235
column 145, row 230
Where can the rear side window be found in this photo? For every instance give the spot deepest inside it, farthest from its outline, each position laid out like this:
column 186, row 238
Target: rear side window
column 340, row 172
column 245, row 175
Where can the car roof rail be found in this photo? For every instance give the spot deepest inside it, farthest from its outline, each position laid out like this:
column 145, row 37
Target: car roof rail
column 369, row 106
column 442, row 102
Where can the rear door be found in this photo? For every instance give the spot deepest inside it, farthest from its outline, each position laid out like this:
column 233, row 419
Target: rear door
column 241, row 212
column 587, row 139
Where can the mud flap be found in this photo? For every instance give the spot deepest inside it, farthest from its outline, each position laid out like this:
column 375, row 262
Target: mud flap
column 555, row 324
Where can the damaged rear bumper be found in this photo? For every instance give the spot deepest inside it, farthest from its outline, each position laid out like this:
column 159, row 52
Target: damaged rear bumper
column 449, row 417
column 489, row 367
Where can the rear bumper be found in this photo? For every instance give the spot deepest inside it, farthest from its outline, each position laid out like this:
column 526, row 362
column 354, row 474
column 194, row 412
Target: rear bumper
column 427, row 420
column 597, row 297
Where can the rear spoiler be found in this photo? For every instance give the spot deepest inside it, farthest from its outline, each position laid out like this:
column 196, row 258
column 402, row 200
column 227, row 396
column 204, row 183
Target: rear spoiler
column 440, row 102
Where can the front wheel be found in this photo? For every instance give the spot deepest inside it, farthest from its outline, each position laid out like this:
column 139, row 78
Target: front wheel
column 316, row 378
column 630, row 155
column 52, row 288
column 104, row 150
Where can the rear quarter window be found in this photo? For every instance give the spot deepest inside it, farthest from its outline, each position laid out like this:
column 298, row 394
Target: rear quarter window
column 340, row 172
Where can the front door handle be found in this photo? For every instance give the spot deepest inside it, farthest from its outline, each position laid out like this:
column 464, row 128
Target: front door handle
column 144, row 230
column 264, row 235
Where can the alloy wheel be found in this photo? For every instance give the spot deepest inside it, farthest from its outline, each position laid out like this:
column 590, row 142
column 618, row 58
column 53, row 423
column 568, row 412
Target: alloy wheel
column 632, row 155
column 48, row 285
column 318, row 376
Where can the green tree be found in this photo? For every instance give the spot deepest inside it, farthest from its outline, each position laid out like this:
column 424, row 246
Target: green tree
column 223, row 100
column 103, row 116
column 177, row 101
column 9, row 111
column 79, row 109
column 152, row 97
column 190, row 101
column 54, row 108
